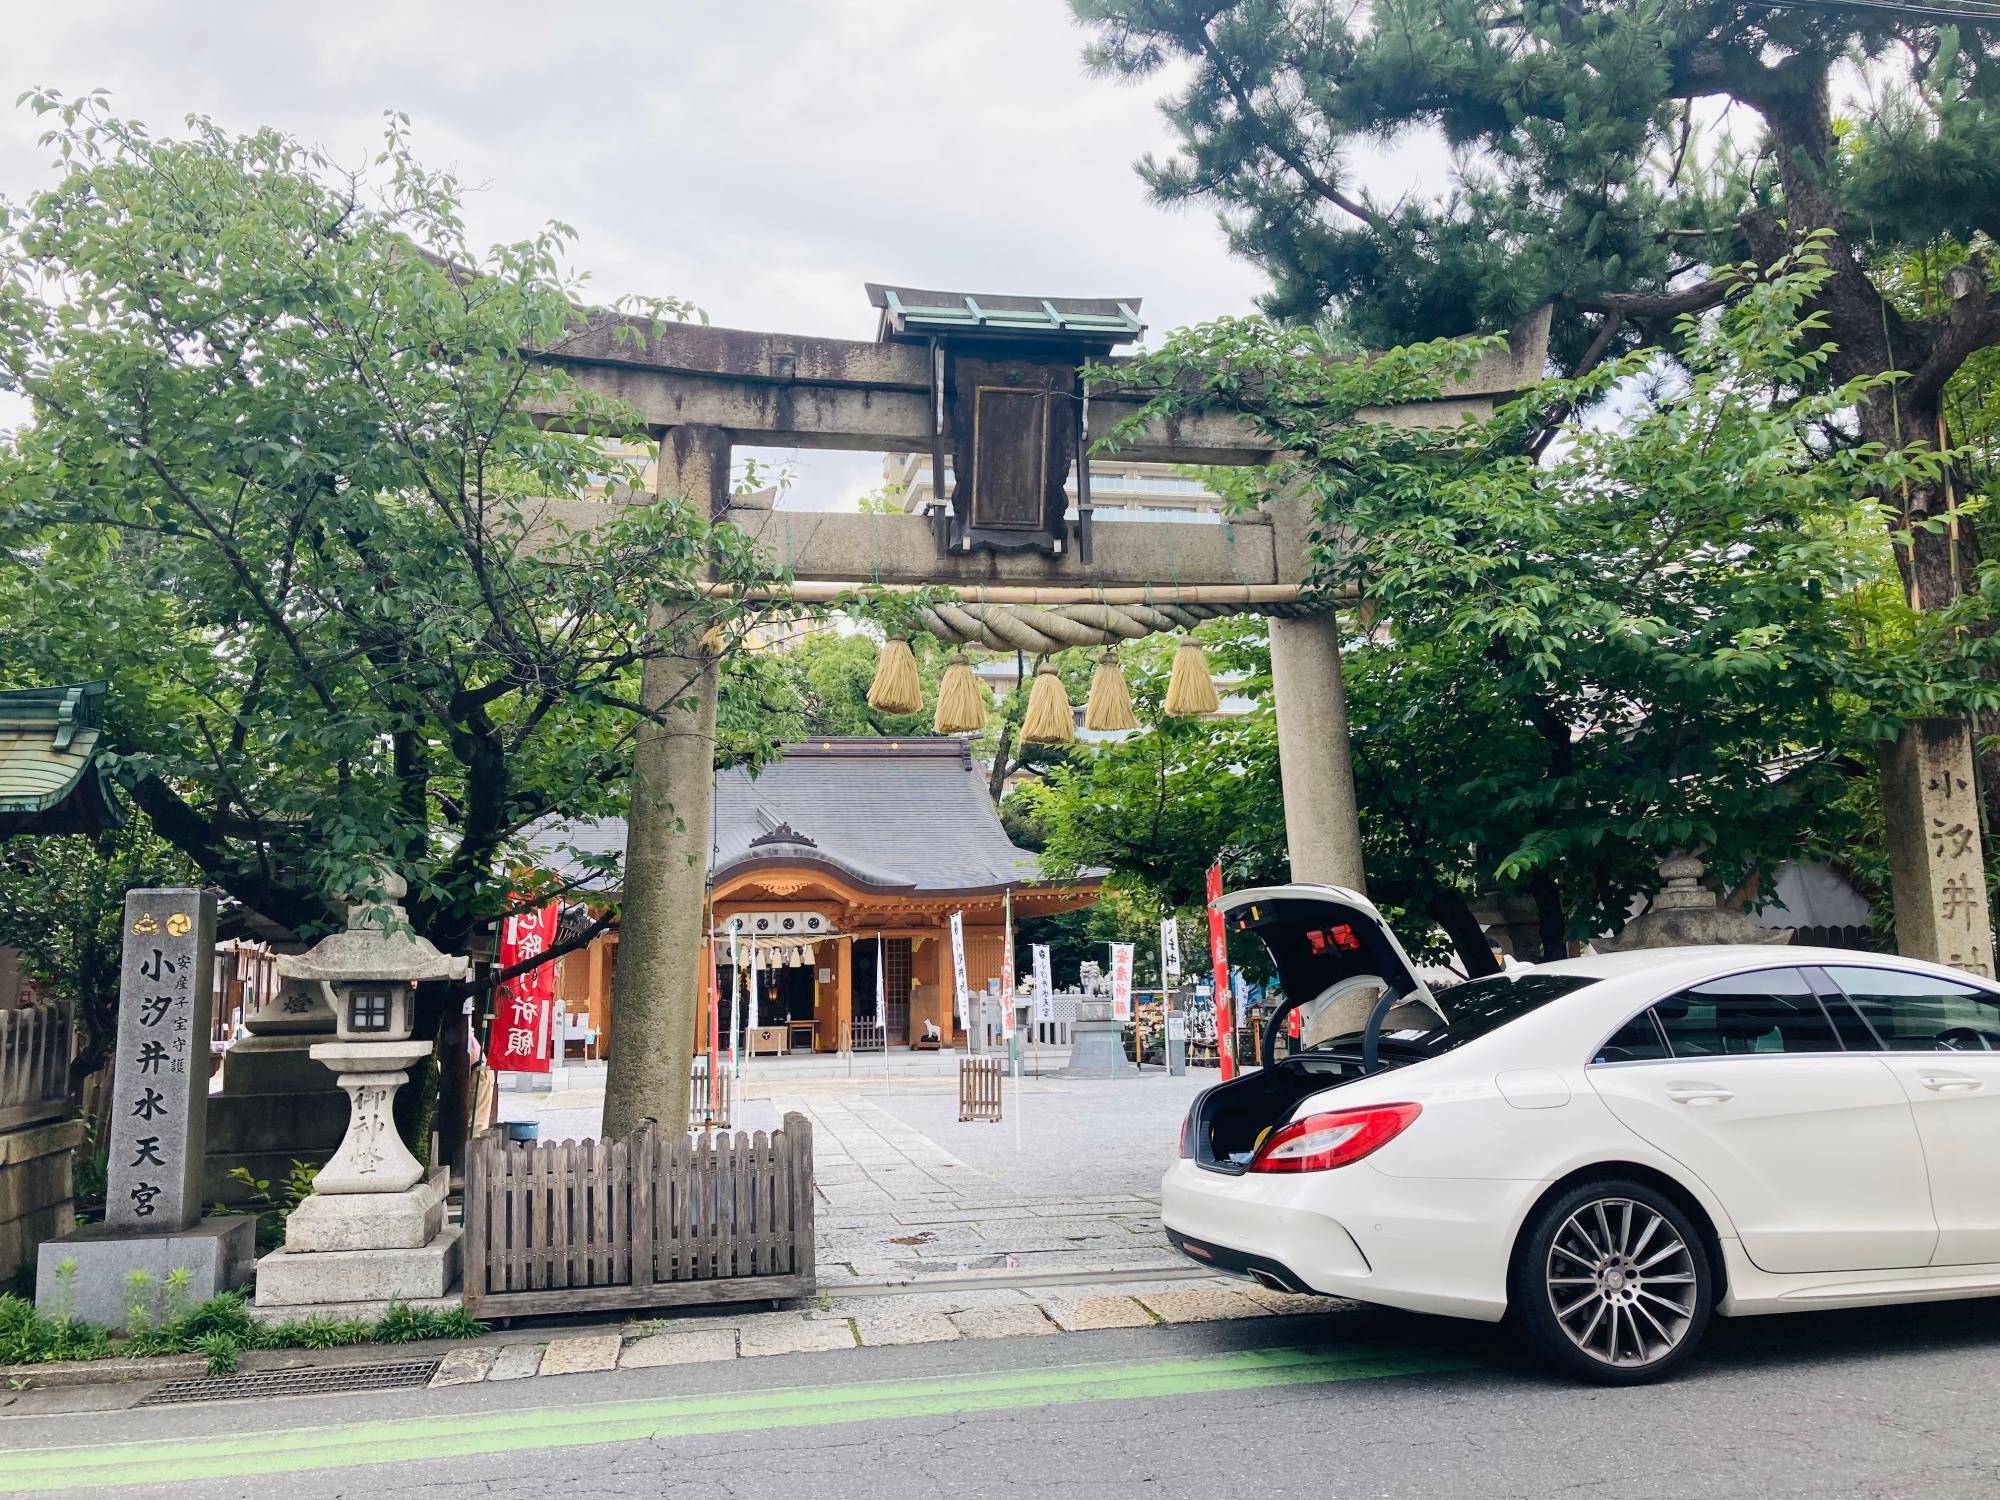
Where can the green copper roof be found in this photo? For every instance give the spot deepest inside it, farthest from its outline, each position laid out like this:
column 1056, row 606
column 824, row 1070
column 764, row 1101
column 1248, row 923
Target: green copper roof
column 50, row 781
column 912, row 312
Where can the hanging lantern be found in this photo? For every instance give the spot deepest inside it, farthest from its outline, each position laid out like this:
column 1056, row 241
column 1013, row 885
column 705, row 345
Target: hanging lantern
column 1110, row 705
column 896, row 688
column 1190, row 690
column 1049, row 720
column 961, row 705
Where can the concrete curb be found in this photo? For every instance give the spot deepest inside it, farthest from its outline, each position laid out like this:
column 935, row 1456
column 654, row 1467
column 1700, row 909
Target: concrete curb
column 71, row 1372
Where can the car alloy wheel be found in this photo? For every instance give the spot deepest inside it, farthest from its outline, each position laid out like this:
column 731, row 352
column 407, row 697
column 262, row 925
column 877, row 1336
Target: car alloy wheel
column 1621, row 1282
column 1611, row 1282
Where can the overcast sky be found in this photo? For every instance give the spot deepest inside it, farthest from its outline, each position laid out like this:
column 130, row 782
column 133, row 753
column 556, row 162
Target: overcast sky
column 762, row 158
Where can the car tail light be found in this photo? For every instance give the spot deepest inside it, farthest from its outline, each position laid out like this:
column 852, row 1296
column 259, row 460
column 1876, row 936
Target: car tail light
column 1319, row 1142
column 1187, row 1134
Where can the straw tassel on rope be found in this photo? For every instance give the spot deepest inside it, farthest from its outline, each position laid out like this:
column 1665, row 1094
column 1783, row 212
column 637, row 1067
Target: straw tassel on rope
column 896, row 688
column 1048, row 720
column 1110, row 705
column 961, row 704
column 1190, row 690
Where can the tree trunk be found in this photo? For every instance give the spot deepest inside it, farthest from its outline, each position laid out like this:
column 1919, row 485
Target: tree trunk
column 1449, row 910
column 1552, row 927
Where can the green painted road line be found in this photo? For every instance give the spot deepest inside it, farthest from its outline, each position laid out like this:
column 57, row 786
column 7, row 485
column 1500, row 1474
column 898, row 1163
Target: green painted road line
column 240, row 1455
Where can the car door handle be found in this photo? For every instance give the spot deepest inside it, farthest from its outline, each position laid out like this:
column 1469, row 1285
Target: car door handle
column 1698, row 1093
column 1948, row 1083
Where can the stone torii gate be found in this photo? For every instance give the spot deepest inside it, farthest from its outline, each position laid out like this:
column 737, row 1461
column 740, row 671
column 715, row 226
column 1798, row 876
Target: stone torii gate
column 994, row 381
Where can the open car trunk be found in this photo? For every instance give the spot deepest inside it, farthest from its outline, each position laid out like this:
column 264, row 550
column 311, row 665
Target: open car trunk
column 1335, row 958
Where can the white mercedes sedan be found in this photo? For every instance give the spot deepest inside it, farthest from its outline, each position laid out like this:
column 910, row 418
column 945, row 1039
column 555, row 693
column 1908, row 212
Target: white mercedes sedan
column 1605, row 1151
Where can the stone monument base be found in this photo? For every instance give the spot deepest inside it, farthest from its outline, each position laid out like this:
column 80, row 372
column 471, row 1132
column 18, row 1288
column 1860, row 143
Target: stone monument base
column 218, row 1253
column 297, row 1279
column 1097, row 1050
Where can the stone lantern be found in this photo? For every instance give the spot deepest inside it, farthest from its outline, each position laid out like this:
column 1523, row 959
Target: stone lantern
column 373, row 1229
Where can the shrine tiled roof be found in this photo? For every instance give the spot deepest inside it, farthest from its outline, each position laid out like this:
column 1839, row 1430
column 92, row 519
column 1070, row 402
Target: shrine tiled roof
column 887, row 815
column 50, row 780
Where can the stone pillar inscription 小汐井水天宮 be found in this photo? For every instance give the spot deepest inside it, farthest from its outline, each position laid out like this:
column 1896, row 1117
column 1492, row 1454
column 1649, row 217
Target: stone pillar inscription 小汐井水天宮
column 1937, row 870
column 159, row 1078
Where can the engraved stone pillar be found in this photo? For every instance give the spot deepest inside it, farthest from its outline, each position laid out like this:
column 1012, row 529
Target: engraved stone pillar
column 153, row 1201
column 1936, row 865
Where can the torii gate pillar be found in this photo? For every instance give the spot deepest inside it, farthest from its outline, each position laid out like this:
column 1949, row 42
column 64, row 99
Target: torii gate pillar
column 1322, row 824
column 656, row 987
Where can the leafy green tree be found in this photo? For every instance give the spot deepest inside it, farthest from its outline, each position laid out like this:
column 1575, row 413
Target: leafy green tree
column 62, row 900
column 284, row 485
column 1590, row 172
column 1581, row 661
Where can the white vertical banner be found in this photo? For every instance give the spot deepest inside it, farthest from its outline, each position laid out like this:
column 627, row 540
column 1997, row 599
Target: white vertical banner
column 1121, row 981
column 881, row 993
column 958, row 971
column 1007, row 973
column 1045, row 988
column 735, row 1007
column 753, row 984
column 1170, row 951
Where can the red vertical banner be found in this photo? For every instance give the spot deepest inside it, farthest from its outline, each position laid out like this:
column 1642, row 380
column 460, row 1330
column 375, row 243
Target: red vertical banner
column 714, row 1015
column 1007, row 974
column 518, row 1041
column 1218, row 954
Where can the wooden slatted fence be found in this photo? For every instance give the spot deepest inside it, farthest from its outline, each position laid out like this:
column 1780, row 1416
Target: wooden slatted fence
column 34, row 1062
column 979, row 1088
column 649, row 1221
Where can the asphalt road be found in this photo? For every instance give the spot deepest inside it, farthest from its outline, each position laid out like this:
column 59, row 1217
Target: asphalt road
column 1876, row 1404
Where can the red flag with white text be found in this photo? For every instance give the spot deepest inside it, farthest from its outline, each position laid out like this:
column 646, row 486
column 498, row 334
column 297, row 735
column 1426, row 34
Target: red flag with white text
column 1218, row 955
column 518, row 1041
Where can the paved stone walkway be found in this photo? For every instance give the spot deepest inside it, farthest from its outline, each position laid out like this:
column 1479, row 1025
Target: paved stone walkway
column 895, row 1205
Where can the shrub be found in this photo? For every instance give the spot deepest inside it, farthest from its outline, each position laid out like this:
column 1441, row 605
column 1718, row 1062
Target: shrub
column 219, row 1330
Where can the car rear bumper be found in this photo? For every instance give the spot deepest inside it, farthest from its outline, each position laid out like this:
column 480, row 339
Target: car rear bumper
column 1432, row 1245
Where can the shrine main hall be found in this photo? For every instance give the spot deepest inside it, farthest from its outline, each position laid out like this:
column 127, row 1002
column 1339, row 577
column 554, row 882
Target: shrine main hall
column 843, row 859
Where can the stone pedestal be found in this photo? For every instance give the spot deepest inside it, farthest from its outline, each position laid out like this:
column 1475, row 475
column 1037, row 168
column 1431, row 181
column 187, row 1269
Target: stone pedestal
column 363, row 1248
column 218, row 1254
column 1097, row 1049
column 373, row 1230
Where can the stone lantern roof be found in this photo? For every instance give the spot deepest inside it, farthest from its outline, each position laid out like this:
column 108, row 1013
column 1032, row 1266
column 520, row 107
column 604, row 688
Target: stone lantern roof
column 371, row 949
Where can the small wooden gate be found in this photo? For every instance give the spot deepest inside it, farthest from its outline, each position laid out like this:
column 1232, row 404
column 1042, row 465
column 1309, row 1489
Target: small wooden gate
column 979, row 1088
column 649, row 1221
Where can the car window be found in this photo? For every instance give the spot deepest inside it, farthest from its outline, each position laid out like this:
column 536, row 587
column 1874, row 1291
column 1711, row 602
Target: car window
column 1472, row 1010
column 1922, row 1013
column 1638, row 1040
column 1772, row 1010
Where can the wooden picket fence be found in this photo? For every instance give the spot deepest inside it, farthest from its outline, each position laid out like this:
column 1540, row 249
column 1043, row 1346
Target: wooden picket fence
column 979, row 1088
column 698, row 1100
column 35, row 1041
column 653, row 1220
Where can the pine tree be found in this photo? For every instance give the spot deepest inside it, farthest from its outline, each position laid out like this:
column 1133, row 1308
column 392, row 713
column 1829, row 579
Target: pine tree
column 1584, row 177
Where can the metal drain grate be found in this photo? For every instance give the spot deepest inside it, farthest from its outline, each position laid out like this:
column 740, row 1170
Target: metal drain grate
column 330, row 1380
